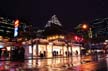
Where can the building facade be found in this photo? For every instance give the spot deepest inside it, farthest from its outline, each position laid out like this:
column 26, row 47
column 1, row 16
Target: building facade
column 100, row 27
column 53, row 44
column 8, row 27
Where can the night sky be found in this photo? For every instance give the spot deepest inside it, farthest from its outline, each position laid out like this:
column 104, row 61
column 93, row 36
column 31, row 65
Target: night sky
column 69, row 12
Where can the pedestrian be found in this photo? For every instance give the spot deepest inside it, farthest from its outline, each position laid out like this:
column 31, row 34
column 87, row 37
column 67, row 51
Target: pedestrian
column 21, row 53
column 13, row 54
column 6, row 54
column 16, row 53
column 66, row 53
column 44, row 53
column 41, row 54
column 76, row 52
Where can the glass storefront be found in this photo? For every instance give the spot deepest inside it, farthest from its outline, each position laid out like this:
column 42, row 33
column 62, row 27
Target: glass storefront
column 52, row 50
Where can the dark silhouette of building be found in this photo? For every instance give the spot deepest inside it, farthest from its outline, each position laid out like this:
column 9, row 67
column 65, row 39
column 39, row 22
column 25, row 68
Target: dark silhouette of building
column 53, row 27
column 7, row 27
column 100, row 29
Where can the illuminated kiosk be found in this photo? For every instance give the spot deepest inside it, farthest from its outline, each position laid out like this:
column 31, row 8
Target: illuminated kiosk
column 57, row 46
column 45, row 47
column 54, row 46
column 48, row 47
column 51, row 45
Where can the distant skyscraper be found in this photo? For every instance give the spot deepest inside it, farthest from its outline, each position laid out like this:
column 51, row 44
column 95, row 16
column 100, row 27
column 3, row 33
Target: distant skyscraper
column 53, row 26
column 53, row 20
column 7, row 27
column 100, row 28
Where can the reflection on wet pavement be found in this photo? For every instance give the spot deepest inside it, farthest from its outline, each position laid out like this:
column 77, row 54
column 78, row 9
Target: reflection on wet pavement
column 55, row 64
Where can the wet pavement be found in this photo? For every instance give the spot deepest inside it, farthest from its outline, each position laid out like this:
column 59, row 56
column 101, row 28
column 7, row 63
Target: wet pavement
column 76, row 63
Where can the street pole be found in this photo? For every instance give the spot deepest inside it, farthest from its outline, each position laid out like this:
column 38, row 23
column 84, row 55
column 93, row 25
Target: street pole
column 90, row 37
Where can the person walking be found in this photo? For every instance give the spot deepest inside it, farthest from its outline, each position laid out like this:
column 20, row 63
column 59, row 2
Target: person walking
column 76, row 52
column 21, row 53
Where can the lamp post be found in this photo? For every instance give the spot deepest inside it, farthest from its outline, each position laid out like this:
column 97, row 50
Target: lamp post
column 30, row 32
column 87, row 28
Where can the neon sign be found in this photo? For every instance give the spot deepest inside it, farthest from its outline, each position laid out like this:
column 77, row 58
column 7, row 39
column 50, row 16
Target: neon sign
column 16, row 24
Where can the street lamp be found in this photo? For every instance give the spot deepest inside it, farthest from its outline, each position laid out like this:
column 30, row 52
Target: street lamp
column 84, row 26
column 89, row 30
column 85, row 30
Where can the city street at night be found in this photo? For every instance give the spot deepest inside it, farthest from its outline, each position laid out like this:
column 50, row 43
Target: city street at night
column 76, row 63
column 53, row 35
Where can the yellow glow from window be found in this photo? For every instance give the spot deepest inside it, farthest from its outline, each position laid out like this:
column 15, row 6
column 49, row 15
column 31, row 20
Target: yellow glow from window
column 55, row 37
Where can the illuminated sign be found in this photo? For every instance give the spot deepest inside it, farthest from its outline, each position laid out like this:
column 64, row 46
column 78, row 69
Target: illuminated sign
column 15, row 32
column 16, row 24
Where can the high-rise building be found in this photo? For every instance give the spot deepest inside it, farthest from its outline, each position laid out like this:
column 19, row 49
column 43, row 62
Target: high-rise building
column 100, row 28
column 53, row 27
column 7, row 27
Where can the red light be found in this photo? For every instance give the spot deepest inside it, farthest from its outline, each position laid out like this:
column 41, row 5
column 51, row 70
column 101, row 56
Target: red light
column 76, row 38
column 82, row 39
